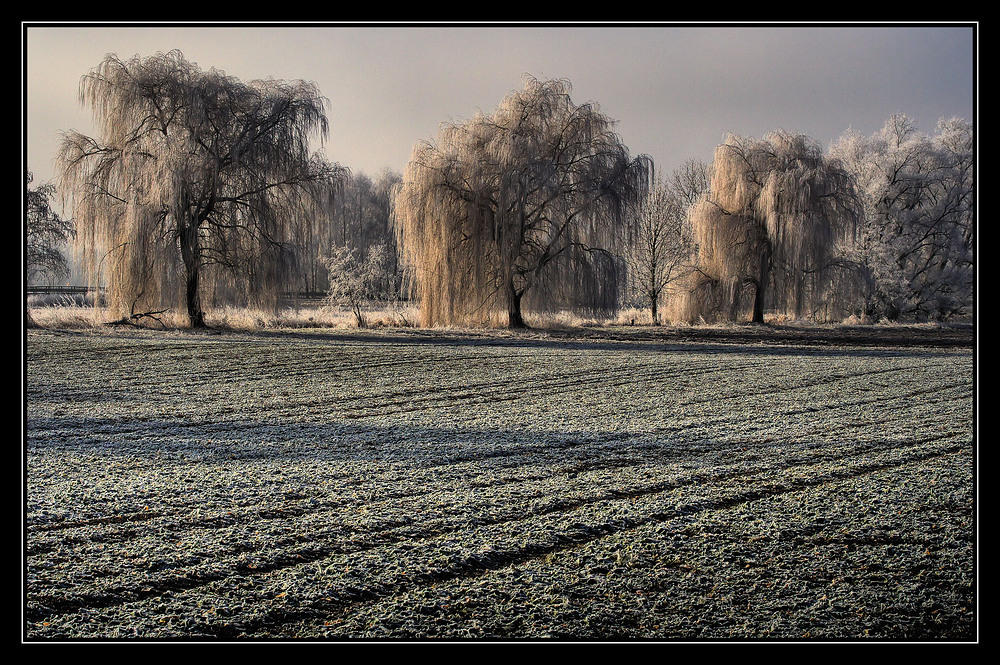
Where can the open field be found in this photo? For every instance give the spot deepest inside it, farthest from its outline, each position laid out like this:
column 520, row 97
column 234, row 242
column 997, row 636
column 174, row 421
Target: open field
column 596, row 484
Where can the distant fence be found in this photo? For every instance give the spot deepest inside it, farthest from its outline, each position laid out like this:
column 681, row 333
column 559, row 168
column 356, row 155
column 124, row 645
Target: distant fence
column 34, row 289
column 37, row 289
column 293, row 296
column 302, row 298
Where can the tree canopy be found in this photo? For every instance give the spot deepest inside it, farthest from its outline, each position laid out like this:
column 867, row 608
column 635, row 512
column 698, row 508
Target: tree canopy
column 524, row 203
column 777, row 214
column 46, row 233
column 917, row 242
column 196, row 182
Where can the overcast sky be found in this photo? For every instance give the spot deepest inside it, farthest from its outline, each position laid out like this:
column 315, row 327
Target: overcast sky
column 676, row 91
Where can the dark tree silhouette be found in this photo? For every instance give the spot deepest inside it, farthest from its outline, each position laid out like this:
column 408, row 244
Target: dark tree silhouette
column 45, row 234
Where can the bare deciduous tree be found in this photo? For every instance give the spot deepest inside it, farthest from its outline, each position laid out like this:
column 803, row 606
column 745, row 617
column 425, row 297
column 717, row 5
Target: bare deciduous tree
column 523, row 203
column 918, row 236
column 689, row 182
column 196, row 181
column 660, row 250
column 356, row 278
column 772, row 224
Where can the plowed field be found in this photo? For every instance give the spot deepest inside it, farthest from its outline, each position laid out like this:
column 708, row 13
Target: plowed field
column 414, row 484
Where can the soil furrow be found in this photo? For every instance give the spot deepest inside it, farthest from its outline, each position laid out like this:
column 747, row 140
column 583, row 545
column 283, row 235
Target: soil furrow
column 289, row 553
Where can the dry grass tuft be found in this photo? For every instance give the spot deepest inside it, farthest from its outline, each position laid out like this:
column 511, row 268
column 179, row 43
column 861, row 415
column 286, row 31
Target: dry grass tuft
column 229, row 318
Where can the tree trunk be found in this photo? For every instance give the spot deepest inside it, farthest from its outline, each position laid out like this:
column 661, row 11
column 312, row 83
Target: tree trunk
column 653, row 301
column 514, row 317
column 761, row 283
column 758, row 303
column 191, row 255
column 736, row 298
column 195, row 313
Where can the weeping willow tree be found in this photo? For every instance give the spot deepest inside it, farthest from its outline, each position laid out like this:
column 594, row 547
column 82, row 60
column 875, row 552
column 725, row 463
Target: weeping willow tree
column 518, row 208
column 771, row 228
column 196, row 185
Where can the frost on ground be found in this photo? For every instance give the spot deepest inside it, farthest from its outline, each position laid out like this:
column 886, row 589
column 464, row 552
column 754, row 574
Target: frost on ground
column 414, row 484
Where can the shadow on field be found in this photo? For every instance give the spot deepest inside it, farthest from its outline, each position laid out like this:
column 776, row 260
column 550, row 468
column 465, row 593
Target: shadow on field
column 747, row 339
column 270, row 440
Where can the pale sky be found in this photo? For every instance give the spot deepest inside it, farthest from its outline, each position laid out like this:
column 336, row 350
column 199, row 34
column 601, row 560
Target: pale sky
column 675, row 90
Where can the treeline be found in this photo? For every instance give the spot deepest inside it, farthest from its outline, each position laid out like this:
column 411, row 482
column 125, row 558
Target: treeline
column 878, row 227
column 536, row 206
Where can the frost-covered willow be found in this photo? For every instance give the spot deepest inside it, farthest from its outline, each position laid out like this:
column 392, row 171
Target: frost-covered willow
column 197, row 183
column 918, row 236
column 522, row 206
column 771, row 229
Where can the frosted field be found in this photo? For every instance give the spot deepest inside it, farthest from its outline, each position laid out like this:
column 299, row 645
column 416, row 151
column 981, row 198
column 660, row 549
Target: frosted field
column 410, row 484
